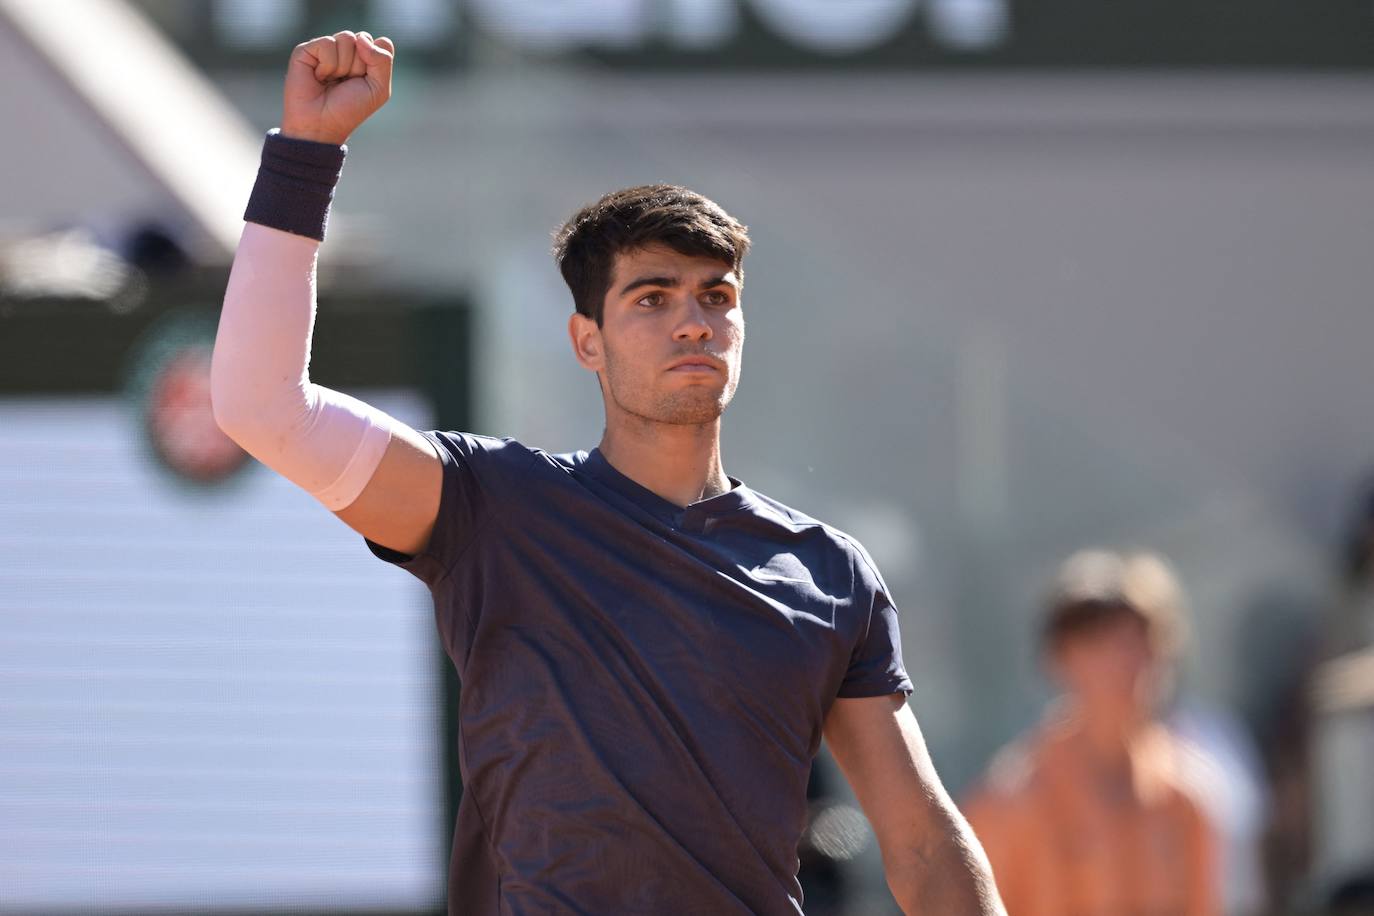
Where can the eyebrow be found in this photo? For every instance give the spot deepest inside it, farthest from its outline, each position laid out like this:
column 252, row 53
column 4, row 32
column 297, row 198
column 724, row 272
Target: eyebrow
column 674, row 282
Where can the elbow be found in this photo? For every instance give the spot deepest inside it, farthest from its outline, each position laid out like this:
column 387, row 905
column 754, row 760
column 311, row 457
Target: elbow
column 949, row 877
column 226, row 401
column 221, row 405
column 248, row 411
column 905, row 875
column 227, row 418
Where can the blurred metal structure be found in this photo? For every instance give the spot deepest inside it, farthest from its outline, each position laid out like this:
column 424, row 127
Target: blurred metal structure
column 119, row 130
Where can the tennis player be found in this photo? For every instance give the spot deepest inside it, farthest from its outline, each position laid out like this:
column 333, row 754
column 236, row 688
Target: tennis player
column 650, row 651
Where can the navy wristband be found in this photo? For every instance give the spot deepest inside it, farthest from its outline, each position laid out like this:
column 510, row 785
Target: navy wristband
column 295, row 184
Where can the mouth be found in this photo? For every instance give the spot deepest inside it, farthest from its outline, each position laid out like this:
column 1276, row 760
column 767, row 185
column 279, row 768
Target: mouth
column 696, row 364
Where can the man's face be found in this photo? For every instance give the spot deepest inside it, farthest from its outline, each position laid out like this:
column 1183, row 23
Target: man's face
column 1112, row 665
column 668, row 349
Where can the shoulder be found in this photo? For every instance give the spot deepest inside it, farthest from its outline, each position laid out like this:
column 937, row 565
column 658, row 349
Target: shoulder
column 1006, row 801
column 1191, row 797
column 466, row 446
column 1017, row 770
column 478, row 452
column 1189, row 776
column 1029, row 771
column 782, row 514
column 840, row 545
column 502, row 468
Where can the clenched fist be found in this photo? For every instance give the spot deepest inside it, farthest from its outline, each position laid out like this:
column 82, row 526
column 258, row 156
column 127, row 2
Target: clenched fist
column 334, row 83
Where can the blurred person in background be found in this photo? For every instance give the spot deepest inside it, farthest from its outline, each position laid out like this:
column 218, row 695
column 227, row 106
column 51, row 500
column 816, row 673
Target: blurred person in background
column 1280, row 641
column 1334, row 766
column 1094, row 813
column 649, row 651
column 1353, row 628
column 1311, row 669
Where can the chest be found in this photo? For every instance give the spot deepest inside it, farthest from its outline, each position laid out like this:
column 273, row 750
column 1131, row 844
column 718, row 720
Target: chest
column 715, row 617
column 1115, row 855
column 758, row 608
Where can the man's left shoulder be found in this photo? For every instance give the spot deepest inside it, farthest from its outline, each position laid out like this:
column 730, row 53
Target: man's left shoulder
column 836, row 544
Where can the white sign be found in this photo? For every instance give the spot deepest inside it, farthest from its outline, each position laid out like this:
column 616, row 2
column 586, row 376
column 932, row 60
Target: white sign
column 820, row 26
column 836, row 28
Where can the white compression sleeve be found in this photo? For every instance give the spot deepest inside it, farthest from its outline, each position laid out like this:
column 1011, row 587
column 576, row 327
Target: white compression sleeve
column 326, row 442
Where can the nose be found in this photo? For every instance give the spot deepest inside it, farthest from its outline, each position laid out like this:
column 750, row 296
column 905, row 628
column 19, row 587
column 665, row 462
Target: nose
column 693, row 325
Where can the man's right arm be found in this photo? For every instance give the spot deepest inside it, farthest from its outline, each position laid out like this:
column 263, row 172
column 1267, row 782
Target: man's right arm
column 400, row 504
column 378, row 475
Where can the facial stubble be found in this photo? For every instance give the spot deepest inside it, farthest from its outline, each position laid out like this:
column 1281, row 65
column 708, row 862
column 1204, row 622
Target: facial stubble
column 692, row 405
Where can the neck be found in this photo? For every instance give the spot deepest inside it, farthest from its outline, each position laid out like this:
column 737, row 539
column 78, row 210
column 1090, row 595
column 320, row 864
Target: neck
column 680, row 463
column 1108, row 734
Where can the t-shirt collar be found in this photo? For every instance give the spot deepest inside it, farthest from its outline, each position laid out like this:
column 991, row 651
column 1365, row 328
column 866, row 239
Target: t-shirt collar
column 737, row 497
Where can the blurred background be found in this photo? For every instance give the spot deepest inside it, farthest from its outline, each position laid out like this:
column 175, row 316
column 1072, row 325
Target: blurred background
column 1026, row 277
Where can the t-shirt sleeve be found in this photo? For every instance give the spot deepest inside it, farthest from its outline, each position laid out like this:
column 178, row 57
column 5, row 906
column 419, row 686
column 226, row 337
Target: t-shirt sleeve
column 875, row 666
column 469, row 472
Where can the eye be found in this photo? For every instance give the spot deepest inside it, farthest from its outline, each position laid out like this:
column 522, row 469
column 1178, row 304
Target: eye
column 653, row 300
column 716, row 297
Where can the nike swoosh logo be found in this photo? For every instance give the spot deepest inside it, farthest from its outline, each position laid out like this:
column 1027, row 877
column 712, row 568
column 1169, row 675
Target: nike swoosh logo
column 758, row 572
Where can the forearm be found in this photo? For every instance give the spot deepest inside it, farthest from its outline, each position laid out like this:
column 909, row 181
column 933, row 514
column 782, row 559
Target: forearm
column 259, row 372
column 324, row 441
column 944, row 872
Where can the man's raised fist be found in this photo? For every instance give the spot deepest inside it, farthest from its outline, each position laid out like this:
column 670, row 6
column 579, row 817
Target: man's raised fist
column 334, row 83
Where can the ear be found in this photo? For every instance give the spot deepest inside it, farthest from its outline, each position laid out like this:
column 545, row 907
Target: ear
column 586, row 342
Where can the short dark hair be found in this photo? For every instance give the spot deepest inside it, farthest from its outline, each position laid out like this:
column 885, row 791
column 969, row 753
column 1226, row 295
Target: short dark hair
column 1095, row 587
column 1069, row 620
column 635, row 218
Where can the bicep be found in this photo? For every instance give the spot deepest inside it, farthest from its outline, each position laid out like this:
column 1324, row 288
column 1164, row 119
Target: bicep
column 931, row 859
column 398, row 507
column 880, row 749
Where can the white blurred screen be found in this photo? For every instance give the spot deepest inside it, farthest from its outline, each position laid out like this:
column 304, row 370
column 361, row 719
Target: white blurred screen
column 210, row 698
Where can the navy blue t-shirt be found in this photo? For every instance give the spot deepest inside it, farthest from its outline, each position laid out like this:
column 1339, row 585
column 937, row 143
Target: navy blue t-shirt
column 643, row 685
